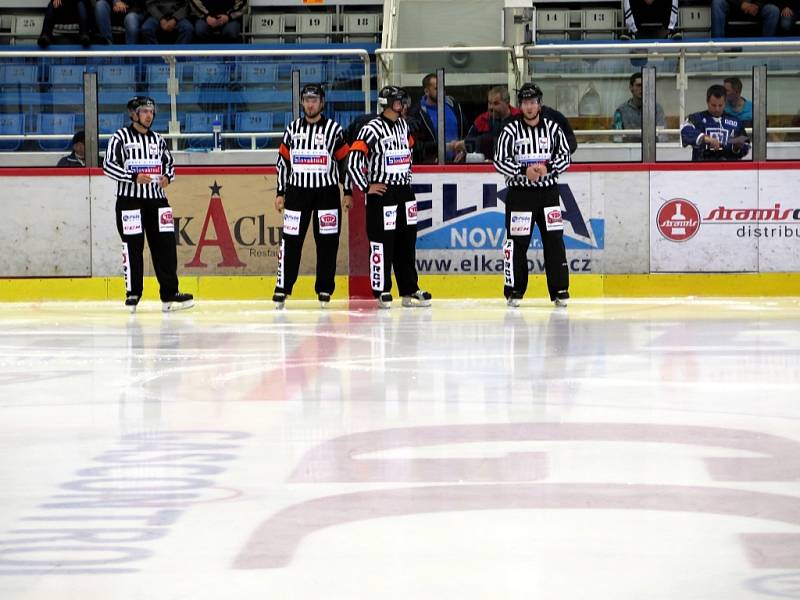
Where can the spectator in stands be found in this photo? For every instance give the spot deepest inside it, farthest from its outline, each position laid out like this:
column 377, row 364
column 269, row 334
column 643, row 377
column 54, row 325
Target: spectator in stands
column 767, row 12
column 218, row 20
column 736, row 104
column 66, row 11
column 424, row 113
column 129, row 14
column 483, row 134
column 639, row 12
column 168, row 20
column 76, row 158
column 713, row 134
column 629, row 115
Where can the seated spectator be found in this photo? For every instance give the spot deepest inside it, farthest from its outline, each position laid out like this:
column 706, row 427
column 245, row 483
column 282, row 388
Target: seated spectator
column 638, row 12
column 483, row 134
column 713, row 134
column 167, row 20
column 66, row 11
column 218, row 20
column 629, row 115
column 76, row 158
column 767, row 13
column 129, row 14
column 424, row 113
column 736, row 104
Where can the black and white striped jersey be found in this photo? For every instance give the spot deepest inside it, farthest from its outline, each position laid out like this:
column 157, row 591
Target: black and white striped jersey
column 310, row 155
column 381, row 153
column 130, row 153
column 520, row 145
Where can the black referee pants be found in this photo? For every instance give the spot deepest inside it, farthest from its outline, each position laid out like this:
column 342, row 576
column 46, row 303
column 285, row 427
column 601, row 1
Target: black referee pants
column 138, row 218
column 392, row 234
column 301, row 204
column 524, row 207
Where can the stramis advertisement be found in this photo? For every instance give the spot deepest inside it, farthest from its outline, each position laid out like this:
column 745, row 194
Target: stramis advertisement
column 745, row 221
column 228, row 225
column 461, row 227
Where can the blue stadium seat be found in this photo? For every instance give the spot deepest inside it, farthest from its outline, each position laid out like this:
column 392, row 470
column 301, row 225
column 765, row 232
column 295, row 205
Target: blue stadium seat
column 211, row 73
column 345, row 117
column 20, row 74
column 310, row 72
column 11, row 124
column 116, row 75
column 158, row 74
column 109, row 123
column 253, row 121
column 49, row 123
column 200, row 122
column 258, row 73
column 66, row 74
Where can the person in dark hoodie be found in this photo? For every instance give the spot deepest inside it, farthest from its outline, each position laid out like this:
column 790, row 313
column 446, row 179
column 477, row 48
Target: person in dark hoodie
column 76, row 158
column 167, row 19
column 218, row 20
column 424, row 118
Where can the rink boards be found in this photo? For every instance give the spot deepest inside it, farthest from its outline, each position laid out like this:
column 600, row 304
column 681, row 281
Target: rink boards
column 630, row 230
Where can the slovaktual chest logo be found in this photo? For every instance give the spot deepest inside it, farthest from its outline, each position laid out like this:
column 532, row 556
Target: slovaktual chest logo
column 310, row 159
column 398, row 161
column 678, row 220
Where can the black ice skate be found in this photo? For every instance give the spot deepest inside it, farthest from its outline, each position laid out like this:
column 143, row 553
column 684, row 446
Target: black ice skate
column 279, row 298
column 131, row 302
column 324, row 299
column 385, row 300
column 561, row 299
column 178, row 302
column 514, row 300
column 418, row 298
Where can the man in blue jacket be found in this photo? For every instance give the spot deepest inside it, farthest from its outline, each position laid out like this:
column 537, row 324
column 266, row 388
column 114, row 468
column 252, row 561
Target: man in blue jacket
column 425, row 120
column 713, row 134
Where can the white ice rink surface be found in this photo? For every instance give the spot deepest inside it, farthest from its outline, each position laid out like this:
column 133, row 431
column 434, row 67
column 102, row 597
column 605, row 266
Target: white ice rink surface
column 618, row 450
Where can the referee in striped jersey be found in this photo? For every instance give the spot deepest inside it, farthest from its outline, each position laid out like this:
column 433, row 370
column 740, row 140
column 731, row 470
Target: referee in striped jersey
column 137, row 158
column 380, row 164
column 311, row 153
column 531, row 152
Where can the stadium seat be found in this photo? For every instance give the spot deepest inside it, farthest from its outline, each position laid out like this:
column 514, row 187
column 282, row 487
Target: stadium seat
column 314, row 27
column 65, row 75
column 11, row 124
column 50, row 123
column 599, row 23
column 695, row 21
column 259, row 73
column 312, row 72
column 109, row 123
column 362, row 27
column 200, row 122
column 267, row 28
column 20, row 74
column 158, row 73
column 210, row 73
column 108, row 75
column 552, row 24
column 253, row 121
column 27, row 28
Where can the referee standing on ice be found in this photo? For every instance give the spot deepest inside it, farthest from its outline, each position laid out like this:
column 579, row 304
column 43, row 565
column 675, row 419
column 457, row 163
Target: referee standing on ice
column 380, row 164
column 531, row 151
column 137, row 158
column 311, row 152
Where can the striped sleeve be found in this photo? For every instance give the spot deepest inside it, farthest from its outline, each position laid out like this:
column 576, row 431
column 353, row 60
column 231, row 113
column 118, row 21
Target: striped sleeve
column 167, row 160
column 504, row 161
column 341, row 152
column 561, row 157
column 357, row 159
column 113, row 162
column 284, row 165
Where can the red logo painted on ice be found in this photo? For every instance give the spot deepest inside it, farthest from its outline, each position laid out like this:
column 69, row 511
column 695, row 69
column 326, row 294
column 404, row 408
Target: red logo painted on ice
column 678, row 220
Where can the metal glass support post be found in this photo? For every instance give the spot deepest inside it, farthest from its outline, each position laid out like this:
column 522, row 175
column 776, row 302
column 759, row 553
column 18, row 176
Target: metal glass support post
column 90, row 118
column 295, row 94
column 649, row 115
column 440, row 116
column 172, row 90
column 760, row 113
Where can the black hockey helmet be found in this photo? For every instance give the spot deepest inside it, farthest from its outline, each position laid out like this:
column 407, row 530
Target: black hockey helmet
column 391, row 94
column 529, row 91
column 137, row 102
column 312, row 90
